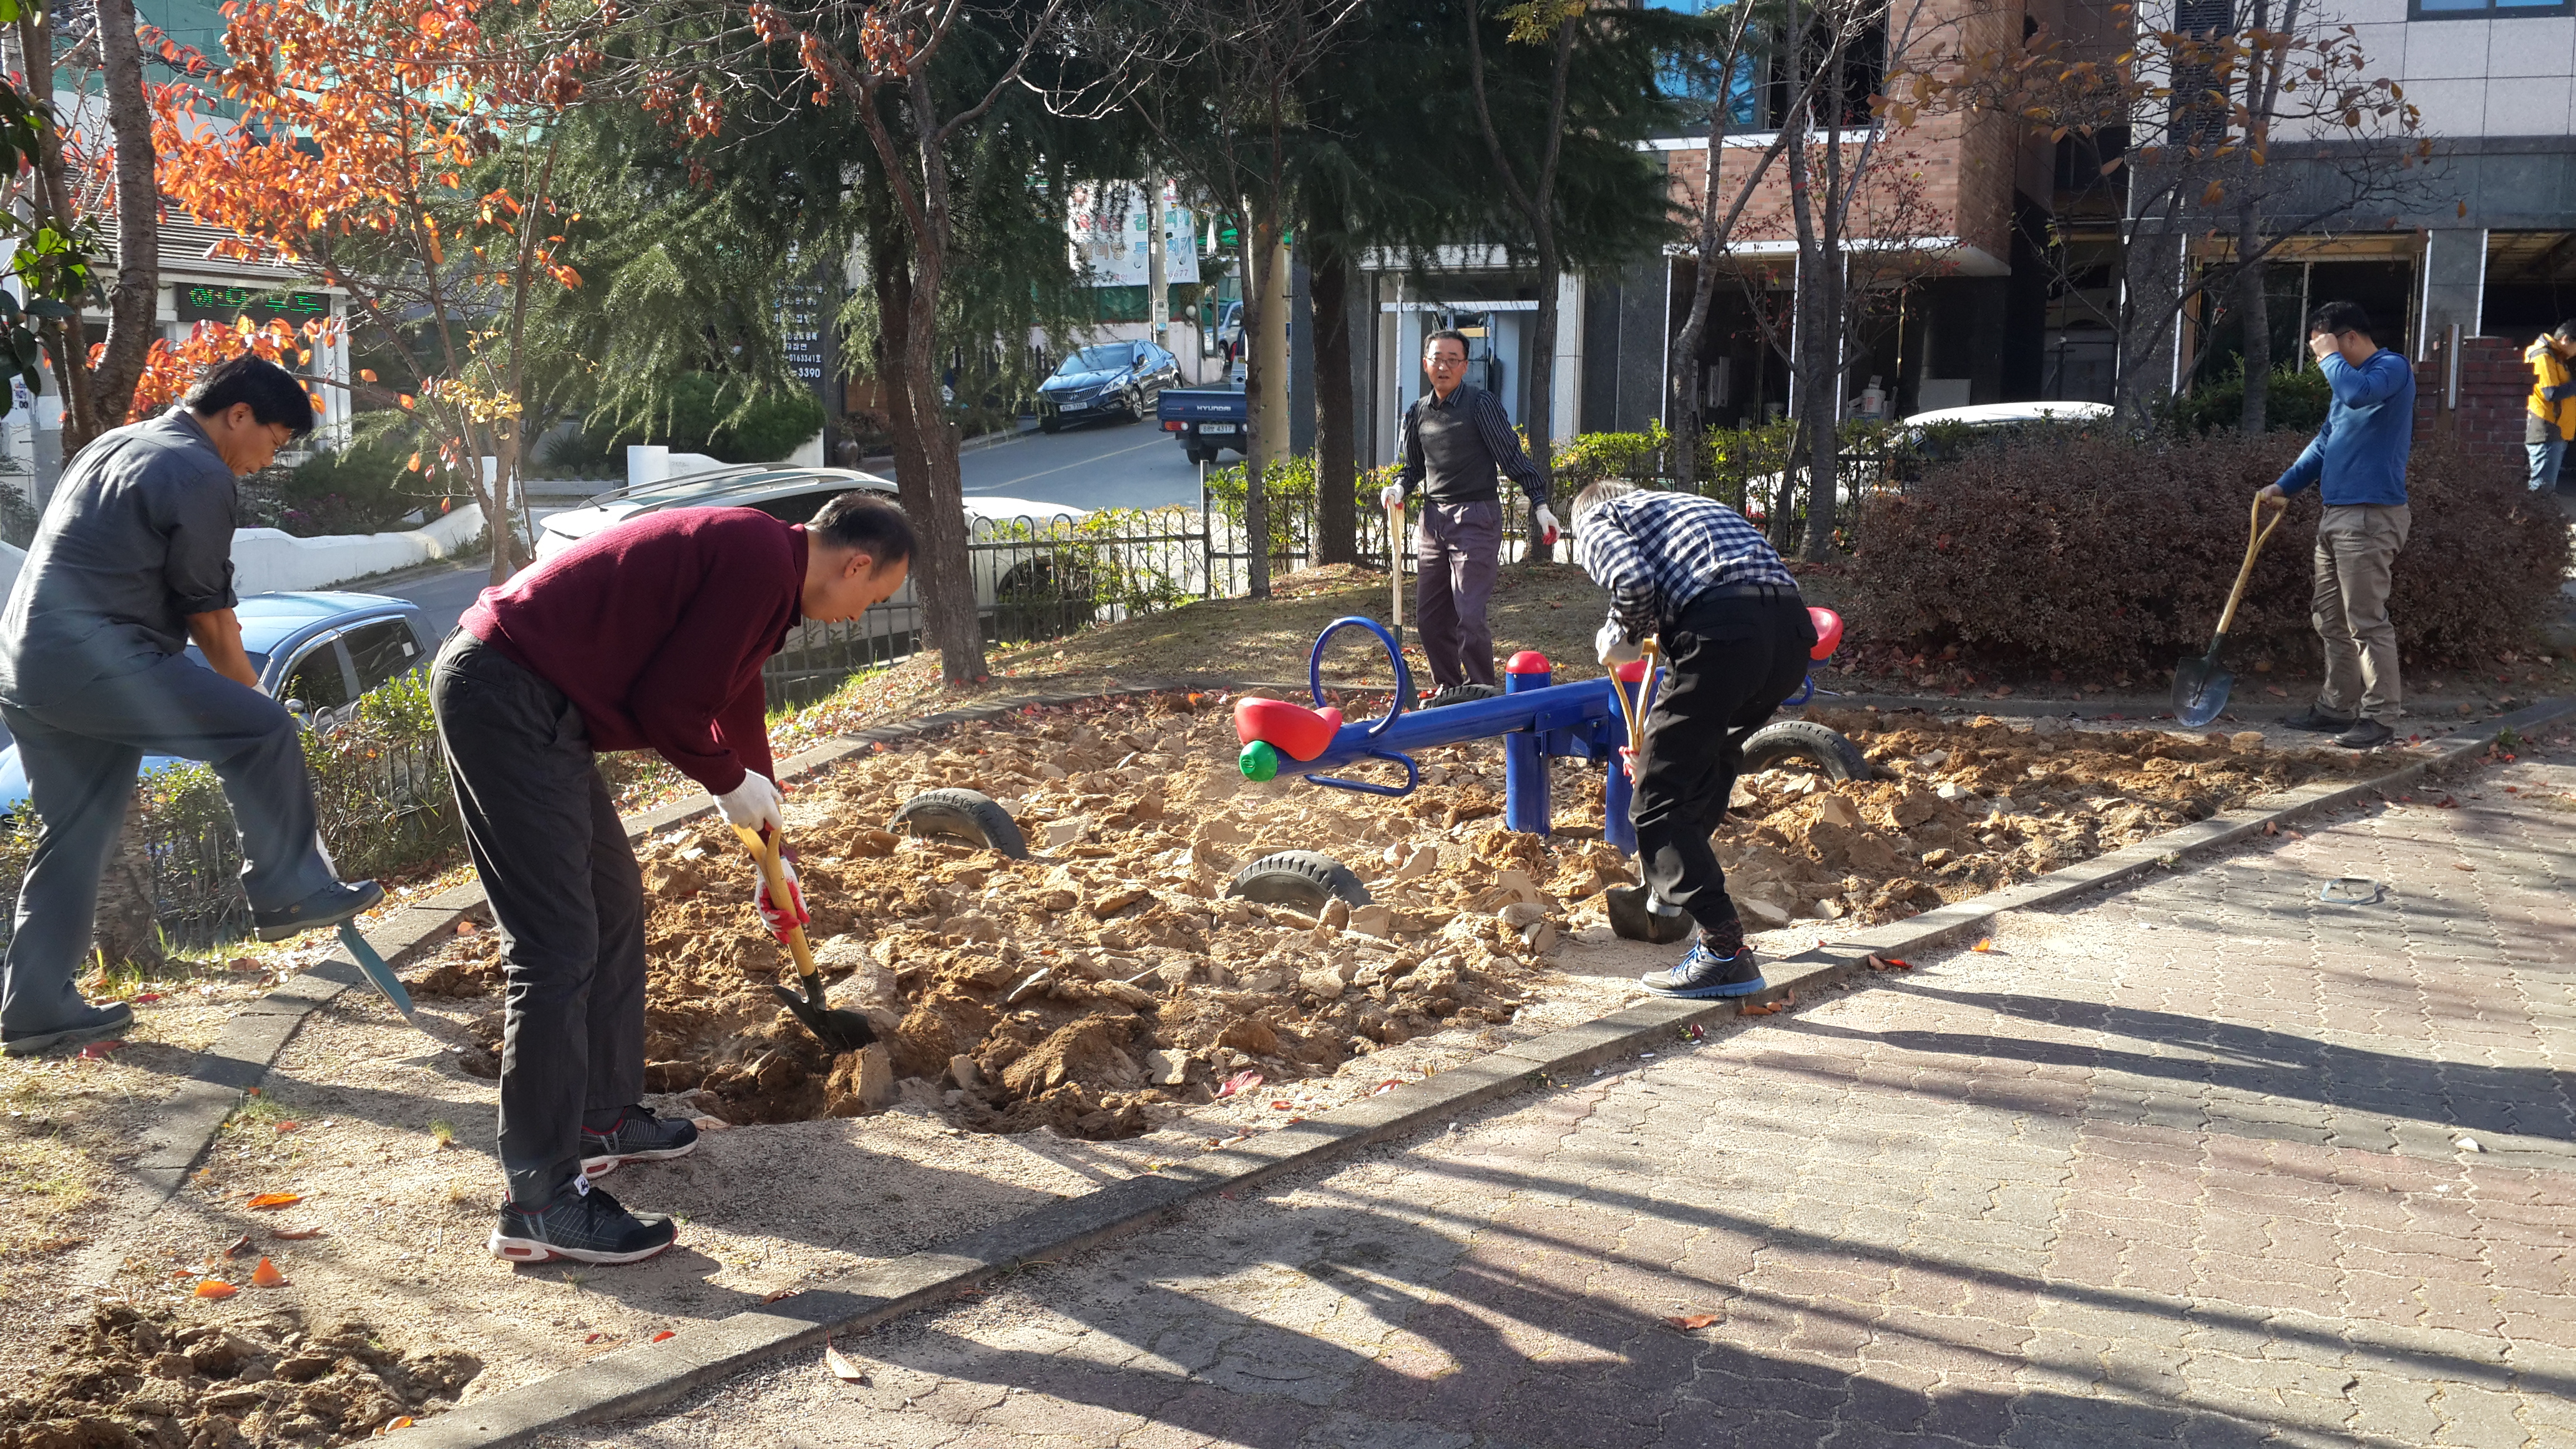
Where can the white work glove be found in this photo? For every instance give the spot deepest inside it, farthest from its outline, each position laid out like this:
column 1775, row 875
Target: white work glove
column 755, row 803
column 1391, row 497
column 1547, row 525
column 1614, row 644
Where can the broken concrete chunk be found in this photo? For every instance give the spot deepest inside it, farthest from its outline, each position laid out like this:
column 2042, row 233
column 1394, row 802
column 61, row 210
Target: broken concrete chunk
column 1837, row 811
column 1167, row 1069
column 1765, row 913
column 1325, row 983
column 1337, row 913
column 1117, row 898
column 1522, row 913
column 1372, row 920
column 961, row 1070
column 1953, row 790
column 1061, row 833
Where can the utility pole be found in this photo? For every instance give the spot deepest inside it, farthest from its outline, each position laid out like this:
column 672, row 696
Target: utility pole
column 1158, row 291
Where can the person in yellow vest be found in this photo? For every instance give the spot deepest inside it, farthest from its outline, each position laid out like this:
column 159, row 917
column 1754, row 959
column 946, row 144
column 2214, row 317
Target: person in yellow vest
column 2551, row 419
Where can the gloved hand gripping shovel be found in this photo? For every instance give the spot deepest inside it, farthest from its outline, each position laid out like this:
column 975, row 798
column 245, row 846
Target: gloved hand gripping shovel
column 1632, row 913
column 838, row 1031
column 2200, row 685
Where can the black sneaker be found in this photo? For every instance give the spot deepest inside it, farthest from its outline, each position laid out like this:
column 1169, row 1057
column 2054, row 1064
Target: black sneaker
column 639, row 1136
column 1703, row 974
column 1461, row 694
column 2368, row 734
column 321, row 910
column 582, row 1223
column 2317, row 721
column 95, row 1023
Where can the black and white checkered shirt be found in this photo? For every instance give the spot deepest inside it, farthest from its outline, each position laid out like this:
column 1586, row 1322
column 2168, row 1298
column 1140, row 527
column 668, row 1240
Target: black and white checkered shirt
column 1655, row 552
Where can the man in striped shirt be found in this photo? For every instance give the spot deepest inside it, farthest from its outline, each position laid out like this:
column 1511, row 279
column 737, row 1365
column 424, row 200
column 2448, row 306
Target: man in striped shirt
column 1734, row 636
column 1456, row 440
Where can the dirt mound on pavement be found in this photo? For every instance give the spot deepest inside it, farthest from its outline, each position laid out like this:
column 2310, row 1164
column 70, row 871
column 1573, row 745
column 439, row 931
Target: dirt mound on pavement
column 131, row 1378
column 1108, row 981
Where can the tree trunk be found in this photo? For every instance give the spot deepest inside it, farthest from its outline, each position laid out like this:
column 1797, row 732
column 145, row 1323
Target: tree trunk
column 134, row 304
column 954, row 624
column 1542, row 387
column 1336, row 447
column 129, row 928
column 2256, row 310
column 1259, row 300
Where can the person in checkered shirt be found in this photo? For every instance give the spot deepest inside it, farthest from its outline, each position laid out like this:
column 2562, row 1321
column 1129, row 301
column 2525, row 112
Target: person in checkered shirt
column 1734, row 636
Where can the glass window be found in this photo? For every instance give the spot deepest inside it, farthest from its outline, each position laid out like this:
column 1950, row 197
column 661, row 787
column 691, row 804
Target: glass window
column 381, row 651
column 317, row 680
column 2479, row 9
column 1107, row 357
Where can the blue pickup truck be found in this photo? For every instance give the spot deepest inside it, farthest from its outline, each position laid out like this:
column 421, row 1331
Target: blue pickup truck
column 1207, row 418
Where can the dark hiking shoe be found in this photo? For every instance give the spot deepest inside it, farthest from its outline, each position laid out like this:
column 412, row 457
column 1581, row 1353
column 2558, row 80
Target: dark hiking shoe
column 321, row 910
column 1703, row 974
column 96, row 1023
column 1461, row 694
column 2368, row 734
column 2317, row 721
column 582, row 1223
column 639, row 1136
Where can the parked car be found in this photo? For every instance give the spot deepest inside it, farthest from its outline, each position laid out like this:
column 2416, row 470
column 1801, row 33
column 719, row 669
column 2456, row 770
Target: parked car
column 1107, row 379
column 1208, row 419
column 316, row 652
column 1944, row 433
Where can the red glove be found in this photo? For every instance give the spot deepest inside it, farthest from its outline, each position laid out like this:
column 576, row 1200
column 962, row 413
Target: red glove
column 1628, row 761
column 781, row 921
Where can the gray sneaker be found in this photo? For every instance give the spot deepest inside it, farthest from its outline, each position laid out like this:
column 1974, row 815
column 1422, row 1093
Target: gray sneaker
column 637, row 1136
column 327, row 907
column 582, row 1223
column 96, row 1023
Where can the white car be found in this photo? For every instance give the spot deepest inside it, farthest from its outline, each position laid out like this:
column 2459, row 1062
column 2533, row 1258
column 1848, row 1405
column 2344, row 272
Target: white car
column 1995, row 415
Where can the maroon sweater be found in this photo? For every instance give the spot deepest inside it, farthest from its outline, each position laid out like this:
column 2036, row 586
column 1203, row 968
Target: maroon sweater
column 656, row 630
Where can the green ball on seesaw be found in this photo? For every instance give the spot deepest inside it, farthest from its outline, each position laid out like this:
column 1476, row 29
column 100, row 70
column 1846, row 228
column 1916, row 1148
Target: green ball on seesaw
column 1259, row 761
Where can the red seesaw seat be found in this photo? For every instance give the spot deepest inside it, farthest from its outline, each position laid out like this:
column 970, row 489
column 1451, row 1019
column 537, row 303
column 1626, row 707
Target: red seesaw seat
column 1292, row 729
column 1829, row 631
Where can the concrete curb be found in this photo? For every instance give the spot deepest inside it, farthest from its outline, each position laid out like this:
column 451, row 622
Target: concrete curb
column 643, row 1377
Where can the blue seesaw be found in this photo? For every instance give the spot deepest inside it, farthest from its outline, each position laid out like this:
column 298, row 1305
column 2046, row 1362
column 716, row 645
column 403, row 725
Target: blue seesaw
column 1536, row 718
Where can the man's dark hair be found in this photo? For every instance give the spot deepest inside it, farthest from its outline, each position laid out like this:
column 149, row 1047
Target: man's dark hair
column 1448, row 334
column 272, row 392
column 865, row 523
column 2566, row 331
column 2339, row 318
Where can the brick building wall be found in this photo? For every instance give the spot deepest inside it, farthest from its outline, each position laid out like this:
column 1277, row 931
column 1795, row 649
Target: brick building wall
column 2494, row 386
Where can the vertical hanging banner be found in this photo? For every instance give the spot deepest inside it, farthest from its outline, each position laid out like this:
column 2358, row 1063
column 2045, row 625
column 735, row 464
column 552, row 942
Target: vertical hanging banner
column 807, row 335
column 1107, row 225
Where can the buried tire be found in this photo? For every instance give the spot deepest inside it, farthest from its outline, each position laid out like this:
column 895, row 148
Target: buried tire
column 969, row 817
column 1805, row 742
column 1303, row 878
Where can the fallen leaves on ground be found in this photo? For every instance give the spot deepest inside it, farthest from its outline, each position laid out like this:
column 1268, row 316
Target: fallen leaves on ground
column 1693, row 1322
column 265, row 1200
column 266, row 1275
column 841, row 1367
column 1986, row 943
column 215, row 1288
column 295, row 1235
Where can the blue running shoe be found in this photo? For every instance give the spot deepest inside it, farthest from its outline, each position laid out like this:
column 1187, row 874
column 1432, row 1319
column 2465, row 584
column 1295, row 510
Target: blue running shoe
column 1703, row 974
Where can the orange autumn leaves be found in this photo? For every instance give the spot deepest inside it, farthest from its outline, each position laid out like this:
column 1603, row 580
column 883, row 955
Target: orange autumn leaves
column 168, row 370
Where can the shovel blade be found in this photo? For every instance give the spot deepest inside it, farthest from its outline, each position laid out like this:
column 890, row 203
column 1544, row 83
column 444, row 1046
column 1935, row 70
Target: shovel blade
column 2200, row 690
column 1633, row 919
column 838, row 1031
column 373, row 967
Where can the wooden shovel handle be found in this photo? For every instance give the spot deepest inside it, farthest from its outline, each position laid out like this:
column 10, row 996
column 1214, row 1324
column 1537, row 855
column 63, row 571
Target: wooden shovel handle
column 764, row 853
column 2262, row 530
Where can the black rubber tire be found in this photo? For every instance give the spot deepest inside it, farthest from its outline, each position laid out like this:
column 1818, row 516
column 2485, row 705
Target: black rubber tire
column 1461, row 694
column 1305, row 879
column 1787, row 741
column 1049, row 425
column 970, row 817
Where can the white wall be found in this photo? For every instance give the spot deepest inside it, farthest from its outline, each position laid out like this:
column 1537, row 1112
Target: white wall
column 267, row 561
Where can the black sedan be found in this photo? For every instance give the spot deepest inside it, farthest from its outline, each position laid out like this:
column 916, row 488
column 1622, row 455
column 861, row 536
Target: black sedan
column 1108, row 379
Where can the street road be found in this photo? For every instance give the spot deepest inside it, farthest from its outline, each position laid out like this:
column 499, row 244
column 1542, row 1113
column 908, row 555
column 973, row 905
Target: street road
column 1088, row 465
column 444, row 595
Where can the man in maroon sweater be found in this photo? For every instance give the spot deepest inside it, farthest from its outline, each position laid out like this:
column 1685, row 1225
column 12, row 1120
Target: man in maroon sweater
column 649, row 635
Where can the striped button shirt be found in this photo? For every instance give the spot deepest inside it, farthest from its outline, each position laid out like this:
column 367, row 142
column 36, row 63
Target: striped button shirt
column 1458, row 443
column 1655, row 552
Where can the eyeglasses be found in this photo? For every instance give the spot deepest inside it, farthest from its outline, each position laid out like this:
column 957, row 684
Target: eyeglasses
column 1444, row 359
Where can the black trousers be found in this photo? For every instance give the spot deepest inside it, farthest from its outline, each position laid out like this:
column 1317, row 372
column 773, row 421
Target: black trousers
column 1730, row 661
column 544, row 835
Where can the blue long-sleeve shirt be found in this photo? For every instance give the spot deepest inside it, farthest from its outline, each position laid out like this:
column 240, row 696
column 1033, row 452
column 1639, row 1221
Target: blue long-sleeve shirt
column 2360, row 453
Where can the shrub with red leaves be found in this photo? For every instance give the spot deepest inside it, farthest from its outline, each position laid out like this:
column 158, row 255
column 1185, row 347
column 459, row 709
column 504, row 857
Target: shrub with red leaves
column 2110, row 554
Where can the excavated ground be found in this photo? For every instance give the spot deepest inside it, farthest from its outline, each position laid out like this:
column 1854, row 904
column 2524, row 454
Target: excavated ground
column 135, row 1378
column 1108, row 982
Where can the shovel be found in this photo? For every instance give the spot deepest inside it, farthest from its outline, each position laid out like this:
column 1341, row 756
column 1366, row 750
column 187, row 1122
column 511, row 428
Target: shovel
column 838, row 1031
column 373, row 967
column 1632, row 913
column 2200, row 685
column 1395, row 568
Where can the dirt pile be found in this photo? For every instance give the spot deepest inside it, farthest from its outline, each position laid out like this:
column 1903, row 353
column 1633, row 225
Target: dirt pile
column 132, row 1377
column 1108, row 981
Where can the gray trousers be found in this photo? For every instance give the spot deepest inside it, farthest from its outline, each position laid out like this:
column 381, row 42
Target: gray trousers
column 81, row 754
column 544, row 835
column 1458, row 546
column 2357, row 545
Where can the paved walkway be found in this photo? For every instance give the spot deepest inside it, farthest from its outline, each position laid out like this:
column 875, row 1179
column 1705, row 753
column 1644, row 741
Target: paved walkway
column 2175, row 1168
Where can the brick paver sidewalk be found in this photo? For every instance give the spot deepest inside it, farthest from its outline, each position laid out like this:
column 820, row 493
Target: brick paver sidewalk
column 2177, row 1167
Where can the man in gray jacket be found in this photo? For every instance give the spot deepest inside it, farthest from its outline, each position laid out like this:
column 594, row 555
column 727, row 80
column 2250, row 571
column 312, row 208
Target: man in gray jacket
column 1456, row 441
column 132, row 563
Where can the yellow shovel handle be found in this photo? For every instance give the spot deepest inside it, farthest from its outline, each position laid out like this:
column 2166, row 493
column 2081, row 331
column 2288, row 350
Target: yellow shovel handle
column 765, row 854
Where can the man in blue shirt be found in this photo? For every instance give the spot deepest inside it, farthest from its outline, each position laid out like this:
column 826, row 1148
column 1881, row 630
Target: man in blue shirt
column 2359, row 461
